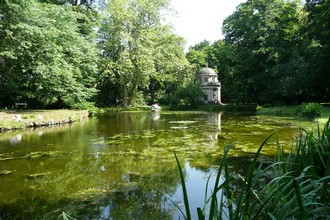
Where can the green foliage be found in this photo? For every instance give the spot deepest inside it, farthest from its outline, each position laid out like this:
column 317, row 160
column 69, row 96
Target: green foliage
column 66, row 216
column 184, row 189
column 317, row 43
column 287, row 111
column 264, row 35
column 138, row 99
column 309, row 111
column 139, row 53
column 89, row 106
column 274, row 51
column 186, row 97
column 45, row 59
column 301, row 178
column 197, row 54
column 296, row 186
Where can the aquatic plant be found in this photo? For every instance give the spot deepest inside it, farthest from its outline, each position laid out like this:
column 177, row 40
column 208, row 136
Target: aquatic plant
column 66, row 216
column 295, row 186
column 309, row 111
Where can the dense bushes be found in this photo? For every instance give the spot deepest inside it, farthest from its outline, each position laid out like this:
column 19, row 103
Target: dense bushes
column 309, row 111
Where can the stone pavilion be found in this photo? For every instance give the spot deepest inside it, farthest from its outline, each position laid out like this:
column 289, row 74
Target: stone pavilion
column 210, row 85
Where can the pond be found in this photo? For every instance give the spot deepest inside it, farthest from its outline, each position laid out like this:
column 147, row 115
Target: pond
column 122, row 165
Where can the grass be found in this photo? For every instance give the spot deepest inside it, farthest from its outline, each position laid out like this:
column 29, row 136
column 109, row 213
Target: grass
column 38, row 117
column 283, row 111
column 278, row 111
column 295, row 186
column 229, row 108
column 289, row 111
column 10, row 125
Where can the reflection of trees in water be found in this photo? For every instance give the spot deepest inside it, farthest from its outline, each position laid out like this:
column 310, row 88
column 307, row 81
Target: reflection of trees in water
column 138, row 204
column 116, row 184
column 140, row 196
column 133, row 204
column 124, row 122
column 37, row 133
column 123, row 168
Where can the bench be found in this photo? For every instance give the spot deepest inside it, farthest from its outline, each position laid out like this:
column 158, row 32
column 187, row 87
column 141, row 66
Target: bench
column 18, row 104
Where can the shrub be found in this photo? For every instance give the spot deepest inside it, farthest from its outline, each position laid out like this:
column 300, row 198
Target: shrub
column 138, row 99
column 309, row 111
column 89, row 106
column 267, row 105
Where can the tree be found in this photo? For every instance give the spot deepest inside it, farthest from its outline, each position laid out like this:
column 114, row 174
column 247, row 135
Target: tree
column 70, row 2
column 45, row 60
column 173, row 71
column 197, row 54
column 221, row 57
column 265, row 35
column 140, row 55
column 317, row 44
column 126, row 38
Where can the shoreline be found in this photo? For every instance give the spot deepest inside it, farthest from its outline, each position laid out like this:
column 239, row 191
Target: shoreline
column 23, row 119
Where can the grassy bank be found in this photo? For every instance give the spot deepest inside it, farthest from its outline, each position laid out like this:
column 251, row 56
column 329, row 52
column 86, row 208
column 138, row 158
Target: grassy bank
column 231, row 108
column 283, row 111
column 127, row 109
column 288, row 111
column 15, row 119
column 291, row 112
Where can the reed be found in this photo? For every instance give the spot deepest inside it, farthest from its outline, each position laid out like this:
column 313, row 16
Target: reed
column 185, row 194
column 298, row 187
column 66, row 216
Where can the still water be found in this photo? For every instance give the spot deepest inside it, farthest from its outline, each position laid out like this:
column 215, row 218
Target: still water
column 122, row 165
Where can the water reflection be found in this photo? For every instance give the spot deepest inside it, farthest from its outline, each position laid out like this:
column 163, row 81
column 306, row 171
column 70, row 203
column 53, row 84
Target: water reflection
column 16, row 139
column 214, row 119
column 118, row 165
column 155, row 116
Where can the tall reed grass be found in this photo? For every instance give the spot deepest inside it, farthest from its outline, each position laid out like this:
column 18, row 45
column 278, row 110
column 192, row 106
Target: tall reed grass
column 295, row 186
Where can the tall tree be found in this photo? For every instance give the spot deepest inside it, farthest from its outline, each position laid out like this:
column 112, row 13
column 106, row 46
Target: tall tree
column 265, row 35
column 197, row 54
column 137, row 51
column 317, row 36
column 220, row 56
column 173, row 71
column 44, row 58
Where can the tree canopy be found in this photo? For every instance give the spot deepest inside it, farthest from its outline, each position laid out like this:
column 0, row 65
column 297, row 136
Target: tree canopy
column 66, row 53
column 140, row 55
column 45, row 59
column 274, row 51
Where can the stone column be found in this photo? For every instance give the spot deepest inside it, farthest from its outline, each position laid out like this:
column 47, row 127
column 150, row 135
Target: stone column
column 219, row 94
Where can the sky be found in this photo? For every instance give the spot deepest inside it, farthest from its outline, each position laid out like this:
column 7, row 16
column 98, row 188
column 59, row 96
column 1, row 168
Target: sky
column 198, row 20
